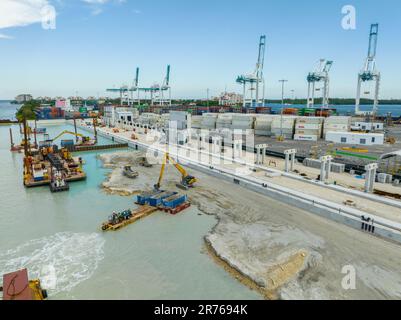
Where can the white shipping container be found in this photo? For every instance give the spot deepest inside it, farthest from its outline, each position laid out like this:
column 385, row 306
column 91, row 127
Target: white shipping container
column 308, row 132
column 336, row 127
column 308, row 126
column 338, row 120
column 355, row 138
column 310, row 120
column 370, row 126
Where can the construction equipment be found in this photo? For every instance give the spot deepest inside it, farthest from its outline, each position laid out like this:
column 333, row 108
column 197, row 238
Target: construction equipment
column 369, row 73
column 320, row 74
column 391, row 140
column 84, row 140
column 255, row 80
column 129, row 173
column 119, row 220
column 187, row 181
column 143, row 162
column 17, row 286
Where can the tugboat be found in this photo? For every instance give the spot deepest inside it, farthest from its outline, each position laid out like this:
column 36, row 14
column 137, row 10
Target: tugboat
column 129, row 173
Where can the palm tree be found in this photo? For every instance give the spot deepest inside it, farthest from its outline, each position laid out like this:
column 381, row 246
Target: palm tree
column 27, row 112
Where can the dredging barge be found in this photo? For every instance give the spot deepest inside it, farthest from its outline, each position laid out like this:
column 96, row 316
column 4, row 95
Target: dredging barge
column 170, row 202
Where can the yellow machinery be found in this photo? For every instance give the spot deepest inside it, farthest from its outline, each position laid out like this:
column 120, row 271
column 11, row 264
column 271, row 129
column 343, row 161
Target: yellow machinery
column 17, row 286
column 391, row 140
column 65, row 154
column 83, row 138
column 187, row 181
column 354, row 149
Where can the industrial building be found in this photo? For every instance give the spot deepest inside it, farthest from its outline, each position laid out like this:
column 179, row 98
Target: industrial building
column 23, row 98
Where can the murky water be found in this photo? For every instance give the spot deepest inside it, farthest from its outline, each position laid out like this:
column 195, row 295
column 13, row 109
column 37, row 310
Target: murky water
column 57, row 237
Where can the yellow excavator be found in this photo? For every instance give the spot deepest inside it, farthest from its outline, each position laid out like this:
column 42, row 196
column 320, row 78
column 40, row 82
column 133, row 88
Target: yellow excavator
column 187, row 181
column 84, row 140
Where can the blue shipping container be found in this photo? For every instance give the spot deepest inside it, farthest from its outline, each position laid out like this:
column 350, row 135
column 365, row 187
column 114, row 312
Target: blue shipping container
column 175, row 201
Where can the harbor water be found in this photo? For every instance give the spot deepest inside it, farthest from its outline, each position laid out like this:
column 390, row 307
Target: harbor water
column 7, row 110
column 58, row 238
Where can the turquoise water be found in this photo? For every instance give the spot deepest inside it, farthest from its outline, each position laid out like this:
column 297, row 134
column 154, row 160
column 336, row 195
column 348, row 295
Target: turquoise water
column 7, row 110
column 161, row 257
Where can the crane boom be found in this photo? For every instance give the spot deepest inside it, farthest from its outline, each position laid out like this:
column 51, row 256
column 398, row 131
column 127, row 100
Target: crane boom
column 67, row 132
column 136, row 80
column 374, row 33
column 187, row 181
column 369, row 72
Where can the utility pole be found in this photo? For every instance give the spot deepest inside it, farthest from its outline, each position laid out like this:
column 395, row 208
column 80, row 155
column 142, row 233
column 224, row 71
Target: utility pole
column 283, row 81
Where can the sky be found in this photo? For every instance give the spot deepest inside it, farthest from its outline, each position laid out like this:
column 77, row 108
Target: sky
column 97, row 44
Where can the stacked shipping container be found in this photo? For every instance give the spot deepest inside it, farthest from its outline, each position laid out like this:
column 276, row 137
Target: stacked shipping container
column 308, row 129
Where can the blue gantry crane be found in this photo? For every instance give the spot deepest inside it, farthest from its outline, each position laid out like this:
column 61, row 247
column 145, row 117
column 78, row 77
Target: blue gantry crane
column 369, row 73
column 321, row 74
column 254, row 81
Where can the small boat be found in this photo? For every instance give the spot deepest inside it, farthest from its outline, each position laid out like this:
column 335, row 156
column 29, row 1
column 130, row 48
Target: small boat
column 129, row 173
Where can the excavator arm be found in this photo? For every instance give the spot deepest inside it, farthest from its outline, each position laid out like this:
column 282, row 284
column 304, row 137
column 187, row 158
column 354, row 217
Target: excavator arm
column 68, row 132
column 163, row 167
column 176, row 165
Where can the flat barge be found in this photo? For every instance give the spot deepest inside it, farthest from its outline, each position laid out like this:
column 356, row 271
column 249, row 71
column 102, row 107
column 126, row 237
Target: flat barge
column 125, row 219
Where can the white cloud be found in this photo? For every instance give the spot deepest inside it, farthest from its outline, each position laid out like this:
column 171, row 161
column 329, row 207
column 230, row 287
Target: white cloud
column 96, row 6
column 96, row 1
column 97, row 11
column 18, row 13
column 4, row 36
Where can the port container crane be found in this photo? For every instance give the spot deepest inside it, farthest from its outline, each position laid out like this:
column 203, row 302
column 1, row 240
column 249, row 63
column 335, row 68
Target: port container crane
column 254, row 81
column 156, row 91
column 187, row 181
column 126, row 92
column 369, row 73
column 321, row 74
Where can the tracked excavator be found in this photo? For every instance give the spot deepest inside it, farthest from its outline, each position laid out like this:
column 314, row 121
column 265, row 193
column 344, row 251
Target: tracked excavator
column 187, row 181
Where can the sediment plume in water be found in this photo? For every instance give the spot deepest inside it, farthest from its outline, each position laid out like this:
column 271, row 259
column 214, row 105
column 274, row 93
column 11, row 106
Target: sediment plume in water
column 60, row 261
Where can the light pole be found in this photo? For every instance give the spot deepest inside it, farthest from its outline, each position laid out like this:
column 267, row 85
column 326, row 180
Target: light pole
column 283, row 81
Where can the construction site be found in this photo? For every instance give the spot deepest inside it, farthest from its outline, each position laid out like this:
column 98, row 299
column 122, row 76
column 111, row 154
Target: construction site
column 292, row 197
